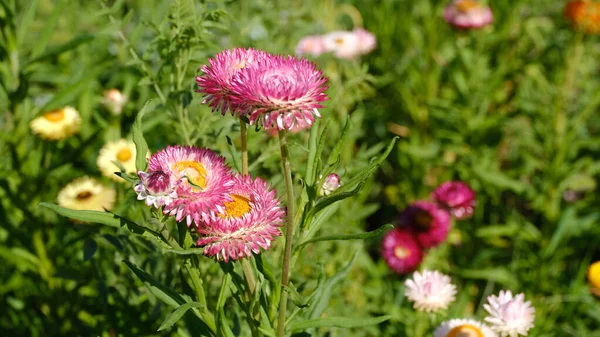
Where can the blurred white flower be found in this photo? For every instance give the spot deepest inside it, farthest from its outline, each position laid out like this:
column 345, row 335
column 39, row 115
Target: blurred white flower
column 86, row 194
column 121, row 151
column 114, row 101
column 430, row 291
column 463, row 328
column 57, row 124
column 509, row 316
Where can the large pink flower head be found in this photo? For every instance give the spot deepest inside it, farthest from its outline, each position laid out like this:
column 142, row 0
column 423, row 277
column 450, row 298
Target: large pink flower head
column 468, row 14
column 248, row 222
column 157, row 188
column 430, row 222
column 282, row 92
column 401, row 251
column 215, row 82
column 457, row 197
column 205, row 181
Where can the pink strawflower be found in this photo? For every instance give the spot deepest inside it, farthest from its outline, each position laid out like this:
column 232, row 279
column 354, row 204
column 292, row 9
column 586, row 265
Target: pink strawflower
column 366, row 40
column 215, row 82
column 313, row 45
column 281, row 92
column 401, row 251
column 205, row 181
column 457, row 197
column 509, row 316
column 350, row 44
column 429, row 222
column 248, row 222
column 157, row 188
column 468, row 14
column 331, row 183
column 430, row 291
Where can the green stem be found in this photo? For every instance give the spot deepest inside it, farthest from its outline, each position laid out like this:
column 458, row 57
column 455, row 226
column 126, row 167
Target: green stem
column 207, row 316
column 243, row 136
column 289, row 232
column 249, row 274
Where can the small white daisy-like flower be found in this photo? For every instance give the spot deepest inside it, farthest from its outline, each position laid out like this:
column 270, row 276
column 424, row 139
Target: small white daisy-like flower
column 57, row 124
column 121, row 151
column 114, row 100
column 463, row 328
column 86, row 194
column 509, row 315
column 430, row 291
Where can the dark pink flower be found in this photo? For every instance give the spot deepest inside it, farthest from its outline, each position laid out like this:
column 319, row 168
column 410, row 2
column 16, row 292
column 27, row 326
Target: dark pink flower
column 428, row 221
column 457, row 197
column 401, row 251
column 157, row 188
column 248, row 223
column 215, row 82
column 468, row 14
column 281, row 92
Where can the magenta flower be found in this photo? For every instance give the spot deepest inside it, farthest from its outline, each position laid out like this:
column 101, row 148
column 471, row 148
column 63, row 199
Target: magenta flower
column 281, row 92
column 215, row 82
column 401, row 251
column 468, row 14
column 204, row 181
column 157, row 188
column 428, row 221
column 457, row 197
column 313, row 45
column 248, row 222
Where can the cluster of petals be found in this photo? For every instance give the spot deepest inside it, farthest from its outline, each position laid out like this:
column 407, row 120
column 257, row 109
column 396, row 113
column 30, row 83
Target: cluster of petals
column 468, row 14
column 584, row 14
column 274, row 91
column 509, row 315
column 457, row 197
column 343, row 44
column 430, row 291
column 463, row 327
column 330, row 184
column 234, row 215
column 401, row 251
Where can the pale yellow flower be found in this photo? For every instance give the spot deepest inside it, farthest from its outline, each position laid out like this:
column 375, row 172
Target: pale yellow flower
column 57, row 124
column 114, row 100
column 121, row 151
column 86, row 194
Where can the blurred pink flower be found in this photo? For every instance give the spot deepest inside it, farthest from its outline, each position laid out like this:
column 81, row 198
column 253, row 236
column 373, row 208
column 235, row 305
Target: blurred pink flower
column 401, row 251
column 366, row 40
column 468, row 14
column 248, row 222
column 313, row 45
column 331, row 183
column 215, row 82
column 205, row 181
column 157, row 188
column 429, row 222
column 281, row 92
column 430, row 291
column 457, row 197
column 509, row 316
column 350, row 44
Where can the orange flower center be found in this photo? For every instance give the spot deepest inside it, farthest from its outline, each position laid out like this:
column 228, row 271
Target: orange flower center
column 83, row 195
column 193, row 171
column 236, row 208
column 124, row 155
column 465, row 330
column 339, row 41
column 401, row 252
column 593, row 276
column 466, row 5
column 55, row 115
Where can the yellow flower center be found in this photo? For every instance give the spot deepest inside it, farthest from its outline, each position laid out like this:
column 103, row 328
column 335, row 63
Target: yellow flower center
column 466, row 5
column 193, row 171
column 593, row 275
column 83, row 195
column 124, row 155
column 236, row 208
column 241, row 65
column 401, row 252
column 339, row 41
column 55, row 115
column 465, row 330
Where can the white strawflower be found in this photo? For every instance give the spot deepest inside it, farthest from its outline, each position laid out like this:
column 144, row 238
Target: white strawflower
column 86, row 194
column 463, row 328
column 121, row 151
column 57, row 124
column 430, row 291
column 509, row 316
column 114, row 100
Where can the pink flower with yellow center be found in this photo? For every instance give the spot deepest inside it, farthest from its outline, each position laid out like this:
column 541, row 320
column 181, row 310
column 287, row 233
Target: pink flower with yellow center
column 468, row 14
column 204, row 181
column 401, row 251
column 215, row 82
column 457, row 197
column 428, row 221
column 157, row 188
column 248, row 222
column 281, row 92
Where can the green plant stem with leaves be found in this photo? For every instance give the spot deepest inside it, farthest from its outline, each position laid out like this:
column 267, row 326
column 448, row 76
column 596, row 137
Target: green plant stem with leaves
column 289, row 232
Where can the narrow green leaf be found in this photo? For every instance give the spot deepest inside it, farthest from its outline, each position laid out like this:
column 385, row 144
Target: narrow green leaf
column 163, row 293
column 312, row 151
column 368, row 170
column 357, row 236
column 334, row 156
column 27, row 17
column 191, row 251
column 89, row 249
column 70, row 45
column 334, row 197
column 141, row 147
column 296, row 298
column 235, row 157
column 176, row 315
column 337, row 322
column 319, row 152
column 49, row 24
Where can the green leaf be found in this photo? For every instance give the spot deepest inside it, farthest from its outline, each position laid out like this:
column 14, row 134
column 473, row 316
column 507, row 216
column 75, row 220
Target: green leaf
column 296, row 298
column 500, row 275
column 334, row 156
column 190, row 251
column 334, row 197
column 141, row 147
column 176, row 315
column 499, row 179
column 89, row 249
column 368, row 170
column 163, row 293
column 55, row 51
column 235, row 158
column 312, row 152
column 337, row 322
column 357, row 236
